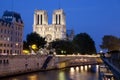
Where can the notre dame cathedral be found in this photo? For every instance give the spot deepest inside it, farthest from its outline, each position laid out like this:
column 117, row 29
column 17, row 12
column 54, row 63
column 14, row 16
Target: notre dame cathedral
column 56, row 30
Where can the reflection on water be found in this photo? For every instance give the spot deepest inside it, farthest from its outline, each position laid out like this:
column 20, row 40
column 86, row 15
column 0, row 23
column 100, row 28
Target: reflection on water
column 84, row 72
column 77, row 69
column 87, row 72
column 61, row 76
column 32, row 77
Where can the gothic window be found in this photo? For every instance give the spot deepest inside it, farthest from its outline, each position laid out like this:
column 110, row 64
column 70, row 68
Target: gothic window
column 48, row 37
column 59, row 19
column 56, row 19
column 41, row 19
column 37, row 19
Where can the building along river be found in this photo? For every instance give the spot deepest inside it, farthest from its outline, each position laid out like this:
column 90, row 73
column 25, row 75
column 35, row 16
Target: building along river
column 86, row 72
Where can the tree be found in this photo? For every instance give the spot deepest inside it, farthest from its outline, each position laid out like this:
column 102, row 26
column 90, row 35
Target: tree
column 85, row 43
column 110, row 43
column 25, row 45
column 34, row 39
column 63, row 47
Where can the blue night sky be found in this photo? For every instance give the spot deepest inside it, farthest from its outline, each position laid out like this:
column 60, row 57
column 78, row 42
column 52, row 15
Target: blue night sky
column 95, row 17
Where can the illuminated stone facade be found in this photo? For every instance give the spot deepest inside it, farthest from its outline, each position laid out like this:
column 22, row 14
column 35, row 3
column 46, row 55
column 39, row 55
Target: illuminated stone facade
column 11, row 33
column 56, row 30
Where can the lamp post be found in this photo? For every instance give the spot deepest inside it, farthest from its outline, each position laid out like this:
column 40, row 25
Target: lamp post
column 62, row 51
column 30, row 48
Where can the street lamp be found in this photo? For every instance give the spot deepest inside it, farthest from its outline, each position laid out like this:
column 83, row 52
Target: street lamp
column 63, row 52
column 34, row 47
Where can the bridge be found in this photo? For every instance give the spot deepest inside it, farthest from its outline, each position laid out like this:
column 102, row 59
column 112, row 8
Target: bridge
column 62, row 61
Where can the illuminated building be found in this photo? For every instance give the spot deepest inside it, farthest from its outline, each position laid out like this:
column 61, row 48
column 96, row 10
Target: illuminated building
column 11, row 33
column 56, row 30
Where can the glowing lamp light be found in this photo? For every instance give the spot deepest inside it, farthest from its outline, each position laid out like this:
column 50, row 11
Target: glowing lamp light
column 26, row 52
column 16, row 44
column 34, row 46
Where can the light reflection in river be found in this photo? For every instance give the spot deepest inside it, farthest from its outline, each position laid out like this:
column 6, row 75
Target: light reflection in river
column 32, row 77
column 77, row 69
column 81, row 68
column 15, row 79
column 89, row 66
column 62, row 76
column 73, row 73
column 86, row 68
column 83, row 73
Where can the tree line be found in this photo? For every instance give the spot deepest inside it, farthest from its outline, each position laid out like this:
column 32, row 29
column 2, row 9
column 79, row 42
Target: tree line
column 82, row 43
column 110, row 43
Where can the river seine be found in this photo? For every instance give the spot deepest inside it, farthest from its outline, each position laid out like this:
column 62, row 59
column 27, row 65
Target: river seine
column 87, row 72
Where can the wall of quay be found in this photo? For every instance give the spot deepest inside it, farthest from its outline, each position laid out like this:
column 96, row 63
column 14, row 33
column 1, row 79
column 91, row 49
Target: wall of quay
column 18, row 64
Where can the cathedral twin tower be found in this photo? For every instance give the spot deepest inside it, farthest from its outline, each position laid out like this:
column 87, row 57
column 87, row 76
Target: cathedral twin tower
column 56, row 30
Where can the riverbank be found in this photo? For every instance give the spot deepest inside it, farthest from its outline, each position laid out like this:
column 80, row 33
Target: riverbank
column 21, row 64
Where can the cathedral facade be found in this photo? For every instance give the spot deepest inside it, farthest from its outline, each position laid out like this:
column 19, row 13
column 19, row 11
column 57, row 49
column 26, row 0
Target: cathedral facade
column 54, row 31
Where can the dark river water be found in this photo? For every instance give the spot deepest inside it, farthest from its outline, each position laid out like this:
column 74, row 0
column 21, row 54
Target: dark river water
column 73, row 73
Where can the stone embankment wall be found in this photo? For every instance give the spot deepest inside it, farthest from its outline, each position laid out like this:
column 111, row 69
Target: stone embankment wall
column 17, row 64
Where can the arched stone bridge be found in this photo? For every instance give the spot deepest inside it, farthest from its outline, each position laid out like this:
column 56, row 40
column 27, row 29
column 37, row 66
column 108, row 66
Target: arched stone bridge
column 76, row 60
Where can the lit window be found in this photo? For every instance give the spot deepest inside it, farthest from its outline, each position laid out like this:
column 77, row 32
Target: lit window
column 8, row 39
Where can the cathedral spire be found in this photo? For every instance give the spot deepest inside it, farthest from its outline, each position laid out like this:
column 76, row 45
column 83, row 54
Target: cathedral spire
column 59, row 4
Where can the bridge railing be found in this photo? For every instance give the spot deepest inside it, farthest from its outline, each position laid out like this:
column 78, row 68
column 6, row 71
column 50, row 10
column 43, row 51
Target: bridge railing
column 114, row 70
